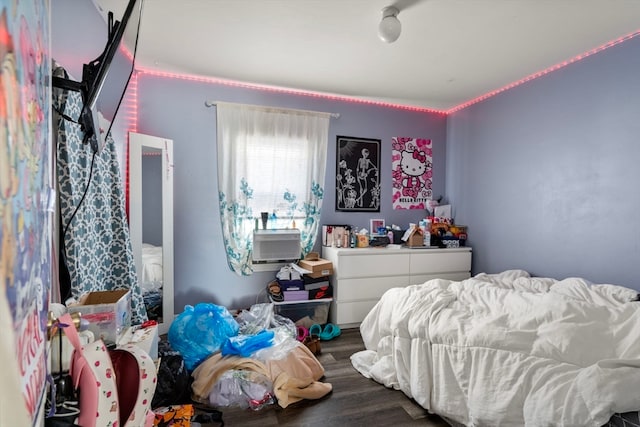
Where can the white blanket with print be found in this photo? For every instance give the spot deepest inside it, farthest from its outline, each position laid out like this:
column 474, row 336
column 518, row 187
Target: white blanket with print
column 508, row 349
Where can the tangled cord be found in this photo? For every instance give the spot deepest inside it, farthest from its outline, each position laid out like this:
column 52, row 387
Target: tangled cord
column 70, row 408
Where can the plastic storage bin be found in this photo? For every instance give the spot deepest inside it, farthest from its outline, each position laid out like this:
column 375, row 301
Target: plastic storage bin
column 304, row 313
column 108, row 313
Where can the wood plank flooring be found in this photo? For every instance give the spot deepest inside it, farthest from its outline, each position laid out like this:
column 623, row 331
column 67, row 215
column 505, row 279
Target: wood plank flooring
column 354, row 401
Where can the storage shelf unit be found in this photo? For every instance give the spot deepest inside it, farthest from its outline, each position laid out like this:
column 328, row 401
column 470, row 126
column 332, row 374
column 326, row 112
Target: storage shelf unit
column 362, row 275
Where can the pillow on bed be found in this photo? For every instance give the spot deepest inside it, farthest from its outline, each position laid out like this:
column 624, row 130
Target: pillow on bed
column 582, row 289
column 617, row 293
column 533, row 284
column 504, row 279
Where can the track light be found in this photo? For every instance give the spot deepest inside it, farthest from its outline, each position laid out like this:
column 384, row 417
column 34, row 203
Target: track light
column 390, row 27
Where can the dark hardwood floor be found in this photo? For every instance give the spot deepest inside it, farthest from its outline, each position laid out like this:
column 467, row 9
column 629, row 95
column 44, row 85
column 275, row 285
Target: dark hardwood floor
column 354, row 401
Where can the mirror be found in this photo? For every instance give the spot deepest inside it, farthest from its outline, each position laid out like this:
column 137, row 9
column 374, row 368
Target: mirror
column 151, row 223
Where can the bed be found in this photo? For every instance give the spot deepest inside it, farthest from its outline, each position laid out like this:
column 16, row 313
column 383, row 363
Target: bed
column 509, row 349
column 152, row 280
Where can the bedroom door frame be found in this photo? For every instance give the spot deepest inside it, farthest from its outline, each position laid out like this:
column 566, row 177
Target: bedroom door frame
column 140, row 145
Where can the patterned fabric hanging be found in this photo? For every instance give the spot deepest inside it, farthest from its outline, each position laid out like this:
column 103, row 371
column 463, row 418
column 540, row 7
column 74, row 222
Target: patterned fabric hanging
column 98, row 246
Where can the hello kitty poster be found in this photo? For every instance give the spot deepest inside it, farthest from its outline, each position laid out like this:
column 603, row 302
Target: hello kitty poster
column 411, row 172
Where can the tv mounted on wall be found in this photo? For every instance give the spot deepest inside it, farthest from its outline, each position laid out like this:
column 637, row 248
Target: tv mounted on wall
column 105, row 79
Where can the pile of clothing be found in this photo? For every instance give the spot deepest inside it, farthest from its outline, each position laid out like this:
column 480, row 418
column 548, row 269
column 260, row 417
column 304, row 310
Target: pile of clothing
column 250, row 361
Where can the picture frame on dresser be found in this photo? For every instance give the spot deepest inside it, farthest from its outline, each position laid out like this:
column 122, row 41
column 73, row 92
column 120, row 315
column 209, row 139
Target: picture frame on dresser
column 357, row 174
column 374, row 224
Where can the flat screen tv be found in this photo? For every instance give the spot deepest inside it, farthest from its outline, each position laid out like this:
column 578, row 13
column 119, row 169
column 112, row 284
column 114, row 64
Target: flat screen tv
column 105, row 79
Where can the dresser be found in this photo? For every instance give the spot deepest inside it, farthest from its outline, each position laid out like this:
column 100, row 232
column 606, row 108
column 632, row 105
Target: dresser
column 362, row 275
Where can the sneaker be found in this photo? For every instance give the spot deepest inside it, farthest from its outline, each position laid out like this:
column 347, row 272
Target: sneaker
column 284, row 273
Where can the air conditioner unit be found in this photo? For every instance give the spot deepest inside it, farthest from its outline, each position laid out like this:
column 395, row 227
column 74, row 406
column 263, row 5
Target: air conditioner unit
column 281, row 245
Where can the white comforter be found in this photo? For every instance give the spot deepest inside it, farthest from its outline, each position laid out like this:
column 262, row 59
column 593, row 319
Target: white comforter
column 508, row 349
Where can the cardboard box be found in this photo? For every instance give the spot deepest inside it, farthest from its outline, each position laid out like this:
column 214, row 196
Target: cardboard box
column 414, row 237
column 291, row 285
column 319, row 267
column 310, row 283
column 108, row 313
column 145, row 338
column 321, row 293
column 296, row 295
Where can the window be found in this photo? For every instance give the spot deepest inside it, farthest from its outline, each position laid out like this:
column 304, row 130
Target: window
column 269, row 160
column 273, row 166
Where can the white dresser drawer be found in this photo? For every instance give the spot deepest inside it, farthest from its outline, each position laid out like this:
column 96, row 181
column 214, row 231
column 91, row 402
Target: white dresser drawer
column 367, row 288
column 421, row 278
column 368, row 265
column 361, row 276
column 439, row 262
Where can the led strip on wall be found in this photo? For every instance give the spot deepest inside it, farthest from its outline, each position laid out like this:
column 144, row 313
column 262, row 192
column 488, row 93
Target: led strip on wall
column 132, row 109
column 544, row 72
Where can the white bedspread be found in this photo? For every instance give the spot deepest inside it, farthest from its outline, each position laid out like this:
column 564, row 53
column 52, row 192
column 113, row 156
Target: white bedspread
column 508, row 349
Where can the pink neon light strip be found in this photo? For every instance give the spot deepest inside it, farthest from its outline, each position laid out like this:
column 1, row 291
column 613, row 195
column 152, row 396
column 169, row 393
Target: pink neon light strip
column 224, row 82
column 544, row 72
column 213, row 80
column 130, row 106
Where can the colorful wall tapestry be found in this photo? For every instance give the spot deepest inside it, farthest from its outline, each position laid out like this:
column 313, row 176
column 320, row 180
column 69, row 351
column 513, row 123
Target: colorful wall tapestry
column 411, row 172
column 26, row 200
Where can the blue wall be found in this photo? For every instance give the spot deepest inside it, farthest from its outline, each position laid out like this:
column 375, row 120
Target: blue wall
column 174, row 109
column 546, row 174
column 78, row 36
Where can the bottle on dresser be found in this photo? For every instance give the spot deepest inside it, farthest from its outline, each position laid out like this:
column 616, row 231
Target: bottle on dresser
column 353, row 238
column 426, row 231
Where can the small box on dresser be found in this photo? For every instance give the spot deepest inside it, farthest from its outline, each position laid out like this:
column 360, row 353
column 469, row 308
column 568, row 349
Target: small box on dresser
column 415, row 238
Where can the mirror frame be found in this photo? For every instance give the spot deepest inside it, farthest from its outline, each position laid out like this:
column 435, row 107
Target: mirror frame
column 137, row 142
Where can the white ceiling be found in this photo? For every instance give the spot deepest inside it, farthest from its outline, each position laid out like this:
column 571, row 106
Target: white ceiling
column 449, row 53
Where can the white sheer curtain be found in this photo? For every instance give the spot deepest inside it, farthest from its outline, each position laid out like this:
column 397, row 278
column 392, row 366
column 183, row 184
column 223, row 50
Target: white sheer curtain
column 269, row 160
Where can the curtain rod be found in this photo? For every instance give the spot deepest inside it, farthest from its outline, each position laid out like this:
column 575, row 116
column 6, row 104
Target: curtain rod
column 214, row 103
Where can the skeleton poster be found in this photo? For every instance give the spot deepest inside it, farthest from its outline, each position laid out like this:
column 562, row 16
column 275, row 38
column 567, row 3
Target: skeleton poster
column 411, row 162
column 358, row 174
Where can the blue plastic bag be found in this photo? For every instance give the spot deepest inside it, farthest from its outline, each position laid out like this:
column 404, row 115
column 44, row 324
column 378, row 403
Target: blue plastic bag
column 246, row 345
column 200, row 331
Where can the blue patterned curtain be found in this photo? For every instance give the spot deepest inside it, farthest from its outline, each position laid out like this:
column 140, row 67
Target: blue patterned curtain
column 98, row 246
column 269, row 160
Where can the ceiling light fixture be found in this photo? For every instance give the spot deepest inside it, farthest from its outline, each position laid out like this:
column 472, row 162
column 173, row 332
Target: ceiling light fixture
column 390, row 27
